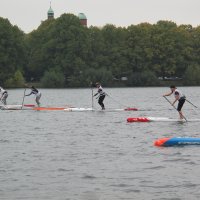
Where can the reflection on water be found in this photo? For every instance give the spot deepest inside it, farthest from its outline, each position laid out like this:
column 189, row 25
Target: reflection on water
column 97, row 155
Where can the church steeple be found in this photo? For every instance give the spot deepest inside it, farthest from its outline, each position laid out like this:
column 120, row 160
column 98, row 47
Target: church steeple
column 50, row 13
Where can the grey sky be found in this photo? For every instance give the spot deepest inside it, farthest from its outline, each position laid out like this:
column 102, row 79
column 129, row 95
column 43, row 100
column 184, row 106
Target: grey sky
column 28, row 14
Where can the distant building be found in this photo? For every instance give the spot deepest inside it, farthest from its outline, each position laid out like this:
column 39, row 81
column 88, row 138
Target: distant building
column 83, row 19
column 50, row 13
column 81, row 16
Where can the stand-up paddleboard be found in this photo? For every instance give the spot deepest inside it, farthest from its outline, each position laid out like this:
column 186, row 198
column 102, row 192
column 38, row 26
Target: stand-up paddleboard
column 158, row 119
column 48, row 108
column 130, row 109
column 106, row 110
column 79, row 109
column 72, row 109
column 123, row 109
column 29, row 105
column 120, row 109
column 17, row 107
column 177, row 141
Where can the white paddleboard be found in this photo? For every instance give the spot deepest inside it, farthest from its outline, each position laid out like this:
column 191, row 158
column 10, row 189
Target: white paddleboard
column 159, row 119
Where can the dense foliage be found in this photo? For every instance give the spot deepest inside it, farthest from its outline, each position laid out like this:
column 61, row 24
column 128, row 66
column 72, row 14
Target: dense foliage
column 12, row 52
column 63, row 53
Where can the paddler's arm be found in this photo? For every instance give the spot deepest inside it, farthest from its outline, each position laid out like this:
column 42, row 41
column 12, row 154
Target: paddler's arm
column 28, row 94
column 1, row 94
column 168, row 94
column 176, row 99
column 97, row 92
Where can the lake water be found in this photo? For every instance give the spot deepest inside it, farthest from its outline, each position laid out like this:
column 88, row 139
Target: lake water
column 58, row 155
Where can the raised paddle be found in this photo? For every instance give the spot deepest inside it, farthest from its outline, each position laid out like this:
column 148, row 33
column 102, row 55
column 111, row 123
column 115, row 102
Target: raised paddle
column 175, row 108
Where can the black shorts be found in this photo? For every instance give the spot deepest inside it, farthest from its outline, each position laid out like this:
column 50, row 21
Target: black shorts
column 101, row 98
column 180, row 103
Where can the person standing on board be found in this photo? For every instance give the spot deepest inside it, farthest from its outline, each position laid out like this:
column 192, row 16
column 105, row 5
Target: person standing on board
column 4, row 95
column 37, row 93
column 179, row 96
column 102, row 95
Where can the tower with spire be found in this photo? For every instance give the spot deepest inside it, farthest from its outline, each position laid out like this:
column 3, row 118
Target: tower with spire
column 50, row 13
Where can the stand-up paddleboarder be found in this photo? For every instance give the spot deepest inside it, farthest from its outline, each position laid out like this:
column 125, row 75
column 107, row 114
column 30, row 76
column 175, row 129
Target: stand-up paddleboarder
column 37, row 93
column 179, row 96
column 102, row 95
column 4, row 95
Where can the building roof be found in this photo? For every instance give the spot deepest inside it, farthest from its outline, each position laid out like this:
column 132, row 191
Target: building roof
column 50, row 11
column 82, row 16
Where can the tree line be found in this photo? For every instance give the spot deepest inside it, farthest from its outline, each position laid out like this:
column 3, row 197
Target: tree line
column 63, row 53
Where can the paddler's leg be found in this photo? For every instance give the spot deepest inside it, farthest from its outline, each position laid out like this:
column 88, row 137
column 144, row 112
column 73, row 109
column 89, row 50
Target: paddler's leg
column 181, row 115
column 100, row 101
column 180, row 105
column 38, row 98
column 4, row 98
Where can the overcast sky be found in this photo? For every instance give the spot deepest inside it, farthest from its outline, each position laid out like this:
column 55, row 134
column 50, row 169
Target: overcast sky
column 28, row 14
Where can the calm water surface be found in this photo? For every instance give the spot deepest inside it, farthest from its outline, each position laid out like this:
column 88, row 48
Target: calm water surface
column 59, row 155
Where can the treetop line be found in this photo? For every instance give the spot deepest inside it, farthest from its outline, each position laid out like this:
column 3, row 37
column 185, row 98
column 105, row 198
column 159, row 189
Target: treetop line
column 63, row 52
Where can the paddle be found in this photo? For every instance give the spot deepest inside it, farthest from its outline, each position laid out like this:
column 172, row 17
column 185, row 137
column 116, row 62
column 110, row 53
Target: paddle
column 92, row 85
column 124, row 106
column 23, row 99
column 191, row 103
column 92, row 99
column 174, row 107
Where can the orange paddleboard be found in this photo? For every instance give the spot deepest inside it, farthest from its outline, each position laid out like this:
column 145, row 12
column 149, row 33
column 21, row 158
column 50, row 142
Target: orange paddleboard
column 48, row 108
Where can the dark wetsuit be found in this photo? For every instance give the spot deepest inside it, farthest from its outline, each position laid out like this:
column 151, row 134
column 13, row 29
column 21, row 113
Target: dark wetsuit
column 102, row 95
column 181, row 99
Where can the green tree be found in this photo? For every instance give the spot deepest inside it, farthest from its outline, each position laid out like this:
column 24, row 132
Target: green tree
column 61, row 42
column 53, row 79
column 12, row 50
column 140, row 52
column 192, row 75
column 85, row 78
column 16, row 81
